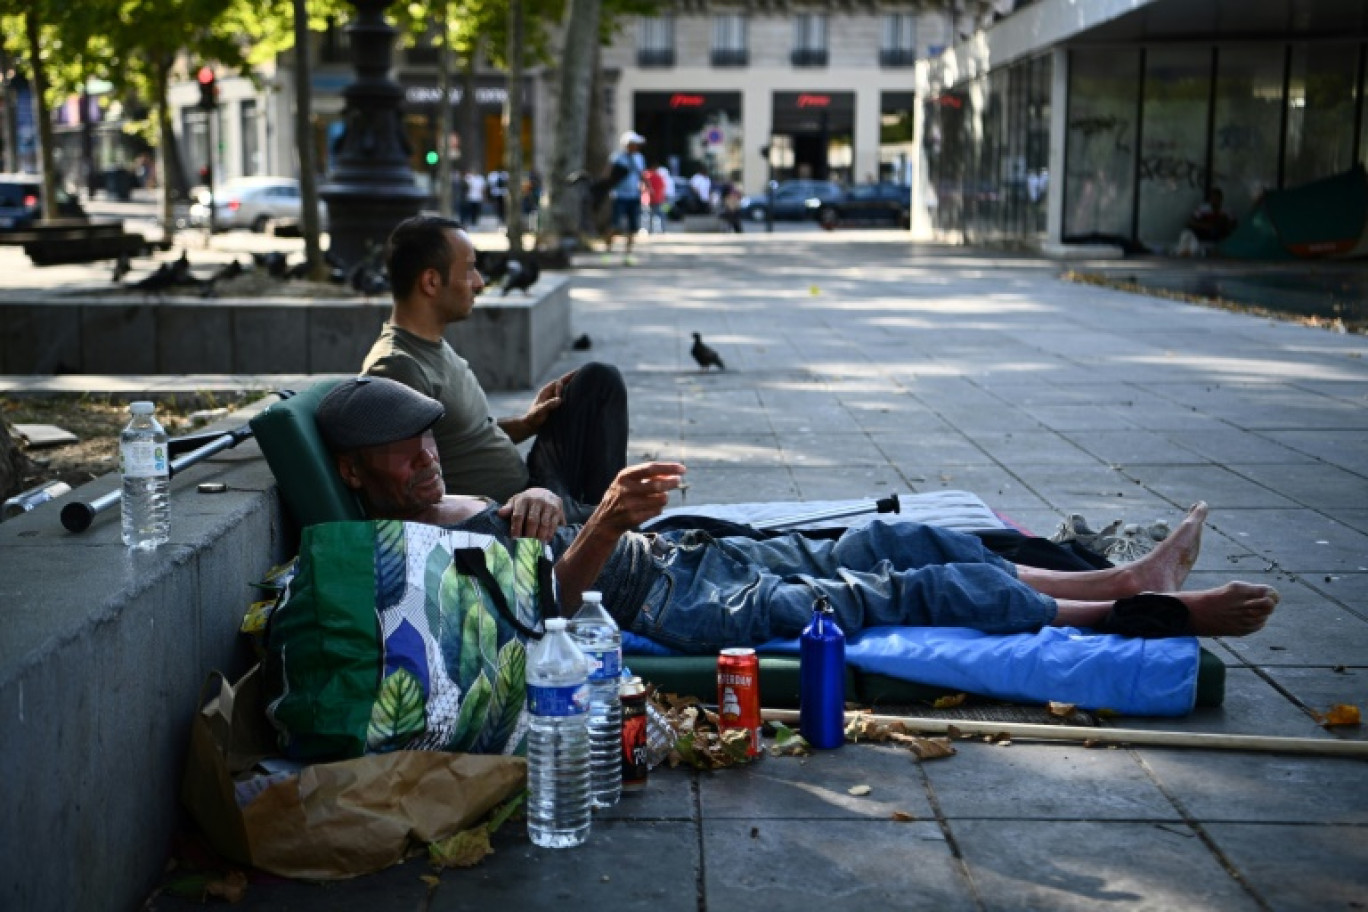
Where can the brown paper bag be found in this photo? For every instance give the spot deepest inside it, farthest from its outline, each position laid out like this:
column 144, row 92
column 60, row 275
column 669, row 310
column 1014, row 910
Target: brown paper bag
column 332, row 820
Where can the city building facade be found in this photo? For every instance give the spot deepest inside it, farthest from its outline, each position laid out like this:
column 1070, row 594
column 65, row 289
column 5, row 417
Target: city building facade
column 1038, row 123
column 1065, row 122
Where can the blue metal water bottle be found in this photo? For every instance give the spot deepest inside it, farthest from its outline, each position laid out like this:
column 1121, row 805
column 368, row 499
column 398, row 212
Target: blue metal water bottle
column 821, row 714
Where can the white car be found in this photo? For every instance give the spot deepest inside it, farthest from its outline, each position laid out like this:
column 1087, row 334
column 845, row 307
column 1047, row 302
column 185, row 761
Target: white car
column 253, row 202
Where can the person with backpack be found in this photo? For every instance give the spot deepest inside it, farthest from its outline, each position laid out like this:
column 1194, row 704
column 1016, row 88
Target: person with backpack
column 626, row 175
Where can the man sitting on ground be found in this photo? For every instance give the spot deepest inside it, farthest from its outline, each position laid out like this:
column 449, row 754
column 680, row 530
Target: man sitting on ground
column 698, row 593
column 579, row 419
column 1210, row 222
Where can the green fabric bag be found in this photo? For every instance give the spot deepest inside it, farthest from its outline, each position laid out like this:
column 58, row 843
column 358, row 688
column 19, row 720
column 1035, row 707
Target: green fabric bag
column 398, row 635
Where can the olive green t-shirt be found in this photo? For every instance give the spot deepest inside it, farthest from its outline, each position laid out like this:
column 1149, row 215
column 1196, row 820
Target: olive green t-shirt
column 478, row 458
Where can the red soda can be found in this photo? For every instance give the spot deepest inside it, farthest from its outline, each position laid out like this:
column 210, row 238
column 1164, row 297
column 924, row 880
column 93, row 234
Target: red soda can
column 635, row 764
column 738, row 693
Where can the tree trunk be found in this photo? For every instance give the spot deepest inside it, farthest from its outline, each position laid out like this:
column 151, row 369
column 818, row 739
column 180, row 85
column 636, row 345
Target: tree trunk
column 41, row 114
column 472, row 144
column 308, row 170
column 513, row 150
column 170, row 161
column 15, row 465
column 444, row 124
column 9, row 135
column 576, row 72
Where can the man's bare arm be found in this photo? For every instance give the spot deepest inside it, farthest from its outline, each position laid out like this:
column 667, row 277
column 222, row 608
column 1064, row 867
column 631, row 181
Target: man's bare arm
column 638, row 493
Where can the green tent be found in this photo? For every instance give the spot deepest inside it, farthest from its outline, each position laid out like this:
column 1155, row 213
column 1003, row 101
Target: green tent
column 1325, row 219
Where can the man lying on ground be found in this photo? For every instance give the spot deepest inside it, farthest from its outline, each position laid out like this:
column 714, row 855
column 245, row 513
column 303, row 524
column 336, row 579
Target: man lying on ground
column 698, row 593
column 579, row 419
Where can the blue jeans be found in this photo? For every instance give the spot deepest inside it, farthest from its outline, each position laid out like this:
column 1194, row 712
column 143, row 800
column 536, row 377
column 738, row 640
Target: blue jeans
column 739, row 592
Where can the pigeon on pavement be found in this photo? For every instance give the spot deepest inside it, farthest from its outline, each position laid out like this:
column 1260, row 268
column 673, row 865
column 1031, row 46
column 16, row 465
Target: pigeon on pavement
column 522, row 274
column 705, row 355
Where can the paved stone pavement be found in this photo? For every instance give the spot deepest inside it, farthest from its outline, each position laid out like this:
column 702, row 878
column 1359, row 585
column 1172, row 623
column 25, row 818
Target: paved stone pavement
column 858, row 364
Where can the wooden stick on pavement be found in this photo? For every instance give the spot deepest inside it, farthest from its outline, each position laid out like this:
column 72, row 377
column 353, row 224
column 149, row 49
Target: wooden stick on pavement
column 1037, row 731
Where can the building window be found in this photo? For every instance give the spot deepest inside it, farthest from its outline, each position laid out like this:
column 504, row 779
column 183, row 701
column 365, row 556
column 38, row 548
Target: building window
column 251, row 140
column 898, row 47
column 655, row 41
column 729, row 41
column 809, row 40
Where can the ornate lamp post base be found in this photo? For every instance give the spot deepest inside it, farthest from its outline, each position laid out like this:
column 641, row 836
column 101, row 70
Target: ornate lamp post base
column 371, row 188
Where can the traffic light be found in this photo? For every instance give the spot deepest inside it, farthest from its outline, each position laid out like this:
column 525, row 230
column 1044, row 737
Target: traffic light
column 432, row 158
column 208, row 100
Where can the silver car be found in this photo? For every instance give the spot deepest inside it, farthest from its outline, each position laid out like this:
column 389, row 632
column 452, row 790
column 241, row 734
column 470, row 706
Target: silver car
column 253, row 203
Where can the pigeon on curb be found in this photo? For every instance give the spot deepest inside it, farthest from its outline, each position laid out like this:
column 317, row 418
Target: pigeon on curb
column 522, row 274
column 705, row 355
column 583, row 343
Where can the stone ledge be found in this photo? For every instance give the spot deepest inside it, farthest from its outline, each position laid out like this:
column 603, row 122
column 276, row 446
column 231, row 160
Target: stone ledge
column 509, row 341
column 104, row 653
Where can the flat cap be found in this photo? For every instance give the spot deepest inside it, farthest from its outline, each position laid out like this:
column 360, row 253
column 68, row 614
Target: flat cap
column 373, row 411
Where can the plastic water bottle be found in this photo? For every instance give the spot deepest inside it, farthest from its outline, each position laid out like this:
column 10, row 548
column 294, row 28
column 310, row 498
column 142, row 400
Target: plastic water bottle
column 557, row 740
column 821, row 651
column 597, row 635
column 146, row 470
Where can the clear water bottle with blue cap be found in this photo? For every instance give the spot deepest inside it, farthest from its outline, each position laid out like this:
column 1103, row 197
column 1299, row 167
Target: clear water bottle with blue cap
column 558, row 813
column 598, row 637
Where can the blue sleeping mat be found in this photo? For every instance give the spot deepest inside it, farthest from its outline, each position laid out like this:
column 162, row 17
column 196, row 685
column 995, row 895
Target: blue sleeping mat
column 1131, row 676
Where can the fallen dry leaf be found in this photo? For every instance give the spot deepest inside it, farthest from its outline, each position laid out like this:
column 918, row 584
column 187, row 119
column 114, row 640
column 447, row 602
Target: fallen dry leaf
column 431, row 880
column 463, row 850
column 232, row 887
column 788, row 743
column 902, row 816
column 949, row 702
column 1340, row 714
column 931, row 748
column 859, row 791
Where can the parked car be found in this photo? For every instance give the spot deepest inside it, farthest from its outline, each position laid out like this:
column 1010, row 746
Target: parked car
column 870, row 204
column 20, row 202
column 252, row 203
column 792, row 200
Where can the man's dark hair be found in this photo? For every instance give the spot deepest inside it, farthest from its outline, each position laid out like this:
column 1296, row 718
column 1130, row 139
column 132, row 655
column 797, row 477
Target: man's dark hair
column 418, row 244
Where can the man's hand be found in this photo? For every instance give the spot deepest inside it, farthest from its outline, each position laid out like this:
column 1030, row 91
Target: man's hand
column 547, row 401
column 638, row 493
column 534, row 513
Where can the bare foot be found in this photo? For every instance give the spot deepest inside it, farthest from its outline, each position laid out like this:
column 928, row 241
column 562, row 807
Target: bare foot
column 1235, row 609
column 1166, row 567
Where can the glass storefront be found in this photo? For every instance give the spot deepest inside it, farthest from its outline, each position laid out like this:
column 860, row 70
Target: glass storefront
column 485, row 150
column 1149, row 132
column 692, row 131
column 1322, row 94
column 819, row 128
column 1173, row 171
column 896, row 146
column 987, row 152
column 1244, row 141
